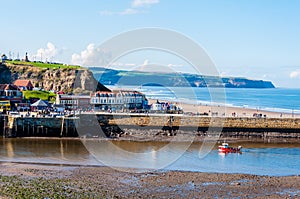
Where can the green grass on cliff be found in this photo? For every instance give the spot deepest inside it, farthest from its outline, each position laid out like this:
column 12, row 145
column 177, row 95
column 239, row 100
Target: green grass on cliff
column 43, row 65
column 43, row 95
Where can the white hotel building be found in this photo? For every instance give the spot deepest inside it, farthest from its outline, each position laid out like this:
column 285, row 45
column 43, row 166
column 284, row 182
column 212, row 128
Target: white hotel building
column 118, row 100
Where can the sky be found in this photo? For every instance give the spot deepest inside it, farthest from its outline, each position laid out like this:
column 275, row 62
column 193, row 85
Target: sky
column 250, row 38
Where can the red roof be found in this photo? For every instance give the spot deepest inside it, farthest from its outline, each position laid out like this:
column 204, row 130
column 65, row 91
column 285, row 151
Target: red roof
column 24, row 83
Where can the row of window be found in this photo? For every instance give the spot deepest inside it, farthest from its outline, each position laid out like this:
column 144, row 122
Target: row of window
column 11, row 93
column 118, row 95
column 69, row 101
column 98, row 100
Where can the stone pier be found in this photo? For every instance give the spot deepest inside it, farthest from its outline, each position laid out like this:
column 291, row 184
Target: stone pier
column 115, row 125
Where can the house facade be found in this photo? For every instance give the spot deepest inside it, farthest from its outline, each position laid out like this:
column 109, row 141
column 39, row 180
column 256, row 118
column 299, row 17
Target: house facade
column 11, row 93
column 73, row 102
column 118, row 100
column 24, row 84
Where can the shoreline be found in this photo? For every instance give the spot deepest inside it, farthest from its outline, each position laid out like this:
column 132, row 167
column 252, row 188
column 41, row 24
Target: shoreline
column 228, row 110
column 24, row 180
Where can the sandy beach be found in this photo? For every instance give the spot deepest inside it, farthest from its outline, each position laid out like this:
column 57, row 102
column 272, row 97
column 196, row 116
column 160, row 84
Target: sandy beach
column 227, row 111
column 28, row 181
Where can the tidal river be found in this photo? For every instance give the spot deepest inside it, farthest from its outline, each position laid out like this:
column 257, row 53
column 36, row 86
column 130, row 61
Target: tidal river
column 256, row 158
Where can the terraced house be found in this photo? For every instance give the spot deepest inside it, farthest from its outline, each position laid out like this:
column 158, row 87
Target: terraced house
column 11, row 94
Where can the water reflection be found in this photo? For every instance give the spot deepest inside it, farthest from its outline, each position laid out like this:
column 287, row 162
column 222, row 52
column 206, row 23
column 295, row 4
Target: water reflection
column 10, row 150
column 62, row 149
column 256, row 158
column 57, row 151
column 148, row 155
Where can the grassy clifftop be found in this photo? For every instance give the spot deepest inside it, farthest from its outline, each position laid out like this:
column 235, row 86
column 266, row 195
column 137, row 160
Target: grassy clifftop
column 51, row 76
column 43, row 65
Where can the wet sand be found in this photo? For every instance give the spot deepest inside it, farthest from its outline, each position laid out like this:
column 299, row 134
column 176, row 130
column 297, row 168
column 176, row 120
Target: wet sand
column 28, row 181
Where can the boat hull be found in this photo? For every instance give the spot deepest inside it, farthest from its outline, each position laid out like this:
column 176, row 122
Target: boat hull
column 229, row 150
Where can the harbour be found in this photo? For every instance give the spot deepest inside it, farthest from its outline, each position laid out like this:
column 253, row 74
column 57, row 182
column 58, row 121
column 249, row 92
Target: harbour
column 150, row 99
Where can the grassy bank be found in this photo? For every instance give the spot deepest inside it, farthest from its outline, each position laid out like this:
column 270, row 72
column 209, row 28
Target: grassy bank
column 43, row 95
column 43, row 65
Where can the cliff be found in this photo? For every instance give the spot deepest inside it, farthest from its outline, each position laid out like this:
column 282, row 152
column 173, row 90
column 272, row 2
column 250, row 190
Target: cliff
column 138, row 78
column 68, row 79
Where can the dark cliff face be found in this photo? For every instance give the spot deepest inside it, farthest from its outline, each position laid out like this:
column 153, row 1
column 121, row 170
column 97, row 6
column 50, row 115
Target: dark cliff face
column 137, row 78
column 67, row 80
column 5, row 74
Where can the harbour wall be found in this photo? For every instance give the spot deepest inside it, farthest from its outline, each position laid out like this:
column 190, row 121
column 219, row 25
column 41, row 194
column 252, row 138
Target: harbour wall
column 116, row 125
column 37, row 127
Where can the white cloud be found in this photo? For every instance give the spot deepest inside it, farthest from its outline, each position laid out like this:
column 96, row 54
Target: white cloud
column 146, row 62
column 143, row 3
column 91, row 56
column 134, row 9
column 44, row 54
column 129, row 11
column 175, row 65
column 294, row 74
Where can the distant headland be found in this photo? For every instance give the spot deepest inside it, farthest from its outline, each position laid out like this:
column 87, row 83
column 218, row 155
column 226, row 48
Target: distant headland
column 138, row 78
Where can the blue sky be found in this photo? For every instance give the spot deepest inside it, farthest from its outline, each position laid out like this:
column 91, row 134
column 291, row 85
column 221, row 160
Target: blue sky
column 252, row 38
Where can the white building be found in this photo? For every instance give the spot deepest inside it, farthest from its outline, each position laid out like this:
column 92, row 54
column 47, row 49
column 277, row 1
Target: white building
column 164, row 107
column 73, row 102
column 118, row 100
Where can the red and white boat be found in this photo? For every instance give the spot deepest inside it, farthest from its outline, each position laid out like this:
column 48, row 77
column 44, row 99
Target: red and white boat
column 224, row 148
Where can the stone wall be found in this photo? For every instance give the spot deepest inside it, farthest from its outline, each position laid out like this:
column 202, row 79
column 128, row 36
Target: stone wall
column 115, row 125
column 185, row 121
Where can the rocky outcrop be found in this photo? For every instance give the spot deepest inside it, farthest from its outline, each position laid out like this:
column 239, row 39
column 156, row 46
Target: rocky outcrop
column 67, row 80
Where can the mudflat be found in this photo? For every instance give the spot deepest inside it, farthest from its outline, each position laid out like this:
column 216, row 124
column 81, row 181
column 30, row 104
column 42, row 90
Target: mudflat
column 56, row 181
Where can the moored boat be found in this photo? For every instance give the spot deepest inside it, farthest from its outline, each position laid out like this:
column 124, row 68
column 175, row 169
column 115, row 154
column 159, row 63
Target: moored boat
column 224, row 148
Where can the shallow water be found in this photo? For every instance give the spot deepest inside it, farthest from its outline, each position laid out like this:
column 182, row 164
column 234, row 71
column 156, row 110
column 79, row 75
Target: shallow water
column 256, row 158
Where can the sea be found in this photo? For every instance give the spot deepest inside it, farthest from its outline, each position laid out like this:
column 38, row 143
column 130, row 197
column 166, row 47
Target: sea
column 285, row 100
